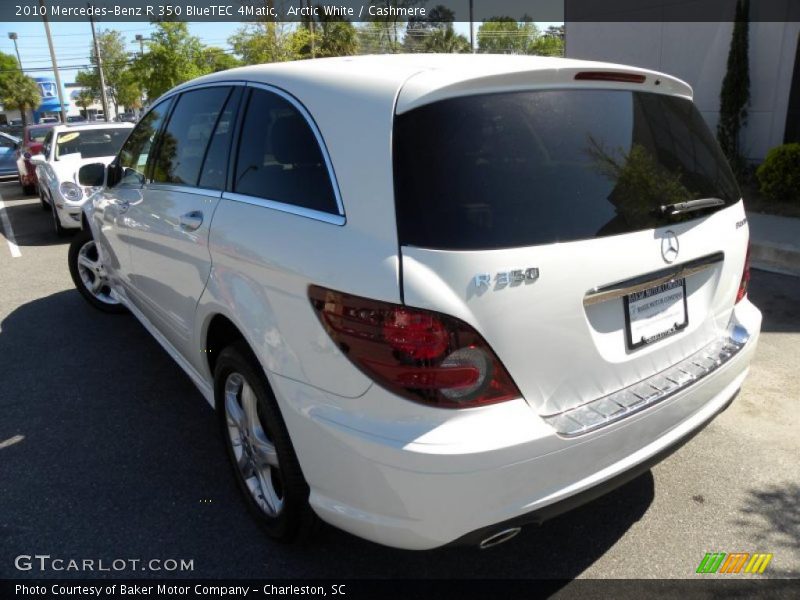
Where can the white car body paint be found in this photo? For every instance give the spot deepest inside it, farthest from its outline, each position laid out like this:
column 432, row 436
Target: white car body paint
column 393, row 471
column 52, row 172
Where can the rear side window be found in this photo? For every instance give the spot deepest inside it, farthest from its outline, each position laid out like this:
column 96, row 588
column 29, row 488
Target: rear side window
column 279, row 157
column 136, row 149
column 526, row 168
column 183, row 144
column 38, row 134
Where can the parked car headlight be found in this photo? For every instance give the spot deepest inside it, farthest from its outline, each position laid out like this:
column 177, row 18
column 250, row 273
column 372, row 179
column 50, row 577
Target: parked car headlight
column 71, row 191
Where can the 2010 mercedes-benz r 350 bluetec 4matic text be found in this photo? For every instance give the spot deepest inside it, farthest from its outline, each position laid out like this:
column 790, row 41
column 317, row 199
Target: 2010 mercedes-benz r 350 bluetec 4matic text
column 432, row 298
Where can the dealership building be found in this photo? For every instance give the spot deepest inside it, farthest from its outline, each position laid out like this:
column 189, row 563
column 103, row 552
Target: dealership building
column 698, row 54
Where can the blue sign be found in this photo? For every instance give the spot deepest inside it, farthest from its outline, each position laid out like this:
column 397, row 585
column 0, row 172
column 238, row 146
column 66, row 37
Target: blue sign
column 49, row 93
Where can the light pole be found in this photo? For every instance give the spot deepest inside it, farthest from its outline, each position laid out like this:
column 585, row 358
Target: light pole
column 13, row 37
column 99, row 58
column 140, row 38
column 53, row 59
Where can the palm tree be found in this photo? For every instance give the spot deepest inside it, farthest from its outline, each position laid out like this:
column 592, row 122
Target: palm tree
column 446, row 40
column 21, row 92
column 85, row 98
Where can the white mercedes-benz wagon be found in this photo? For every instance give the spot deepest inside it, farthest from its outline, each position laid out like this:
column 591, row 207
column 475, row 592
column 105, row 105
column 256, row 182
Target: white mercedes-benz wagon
column 433, row 298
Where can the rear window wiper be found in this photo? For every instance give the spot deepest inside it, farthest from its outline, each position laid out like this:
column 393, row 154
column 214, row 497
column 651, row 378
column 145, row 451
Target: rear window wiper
column 680, row 208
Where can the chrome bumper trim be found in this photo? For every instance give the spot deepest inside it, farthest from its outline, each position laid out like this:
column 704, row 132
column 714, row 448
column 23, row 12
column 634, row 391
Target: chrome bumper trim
column 614, row 407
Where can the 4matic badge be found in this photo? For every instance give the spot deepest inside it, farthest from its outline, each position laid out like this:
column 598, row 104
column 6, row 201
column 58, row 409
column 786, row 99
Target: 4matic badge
column 506, row 278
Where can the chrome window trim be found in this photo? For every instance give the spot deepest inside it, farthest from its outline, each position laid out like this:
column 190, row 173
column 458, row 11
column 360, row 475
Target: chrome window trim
column 317, row 135
column 292, row 209
column 183, row 188
column 637, row 284
column 198, row 86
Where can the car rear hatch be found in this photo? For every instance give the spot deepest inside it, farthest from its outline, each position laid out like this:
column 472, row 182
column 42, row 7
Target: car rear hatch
column 591, row 231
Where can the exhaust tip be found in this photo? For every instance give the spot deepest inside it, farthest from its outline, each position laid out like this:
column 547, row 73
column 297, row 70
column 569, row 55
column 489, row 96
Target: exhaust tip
column 499, row 537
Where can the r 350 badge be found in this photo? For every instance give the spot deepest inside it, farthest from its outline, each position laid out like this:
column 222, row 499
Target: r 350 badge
column 506, row 278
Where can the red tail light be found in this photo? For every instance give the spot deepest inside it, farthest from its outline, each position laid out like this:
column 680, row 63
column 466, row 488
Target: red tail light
column 745, row 277
column 419, row 354
column 610, row 76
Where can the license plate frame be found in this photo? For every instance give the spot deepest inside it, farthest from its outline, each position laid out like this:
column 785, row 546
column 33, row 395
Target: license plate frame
column 637, row 300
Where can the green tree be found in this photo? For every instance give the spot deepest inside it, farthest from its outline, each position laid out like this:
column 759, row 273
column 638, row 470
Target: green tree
column 129, row 93
column 84, row 99
column 383, row 35
column 216, row 59
column 264, row 42
column 336, row 38
column 504, row 35
column 173, row 56
column 735, row 92
column 18, row 91
column 546, row 45
column 439, row 18
column 446, row 40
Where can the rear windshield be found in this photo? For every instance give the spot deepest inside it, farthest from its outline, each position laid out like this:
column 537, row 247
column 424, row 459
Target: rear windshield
column 38, row 134
column 91, row 143
column 526, row 168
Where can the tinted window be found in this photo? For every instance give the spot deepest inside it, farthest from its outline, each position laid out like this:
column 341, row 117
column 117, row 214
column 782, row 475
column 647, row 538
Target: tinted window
column 136, row 150
column 38, row 134
column 526, row 168
column 91, row 143
column 279, row 157
column 183, row 144
column 215, row 166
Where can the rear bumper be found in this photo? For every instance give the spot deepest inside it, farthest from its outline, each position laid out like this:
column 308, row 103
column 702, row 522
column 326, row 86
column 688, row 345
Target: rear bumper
column 550, row 511
column 427, row 481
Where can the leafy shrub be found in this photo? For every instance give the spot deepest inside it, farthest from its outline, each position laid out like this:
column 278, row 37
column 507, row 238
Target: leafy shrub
column 779, row 174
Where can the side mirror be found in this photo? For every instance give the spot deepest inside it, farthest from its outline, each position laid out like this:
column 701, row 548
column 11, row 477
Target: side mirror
column 92, row 175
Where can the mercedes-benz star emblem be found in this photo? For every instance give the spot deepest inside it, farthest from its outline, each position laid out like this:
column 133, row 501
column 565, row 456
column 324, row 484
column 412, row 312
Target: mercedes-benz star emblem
column 669, row 246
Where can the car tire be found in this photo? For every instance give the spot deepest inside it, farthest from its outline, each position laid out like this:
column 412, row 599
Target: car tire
column 85, row 268
column 276, row 493
column 28, row 190
column 61, row 231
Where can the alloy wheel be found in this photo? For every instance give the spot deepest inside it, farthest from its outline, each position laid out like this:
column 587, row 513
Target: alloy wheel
column 254, row 451
column 93, row 274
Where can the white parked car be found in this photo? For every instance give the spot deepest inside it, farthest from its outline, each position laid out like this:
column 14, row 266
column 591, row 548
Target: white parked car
column 432, row 298
column 65, row 149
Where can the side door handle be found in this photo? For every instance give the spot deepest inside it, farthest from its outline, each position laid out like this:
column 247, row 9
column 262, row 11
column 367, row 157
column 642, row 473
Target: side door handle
column 191, row 220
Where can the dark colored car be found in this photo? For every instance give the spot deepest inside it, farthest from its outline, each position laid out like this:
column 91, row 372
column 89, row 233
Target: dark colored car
column 32, row 140
column 8, row 163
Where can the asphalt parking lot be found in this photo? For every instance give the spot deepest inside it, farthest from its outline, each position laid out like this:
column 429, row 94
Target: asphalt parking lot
column 107, row 451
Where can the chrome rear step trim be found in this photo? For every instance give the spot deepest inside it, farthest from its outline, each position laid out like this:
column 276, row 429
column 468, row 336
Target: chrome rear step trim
column 637, row 284
column 609, row 409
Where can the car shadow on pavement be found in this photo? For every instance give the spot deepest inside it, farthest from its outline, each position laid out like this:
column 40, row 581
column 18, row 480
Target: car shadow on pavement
column 121, row 457
column 32, row 226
